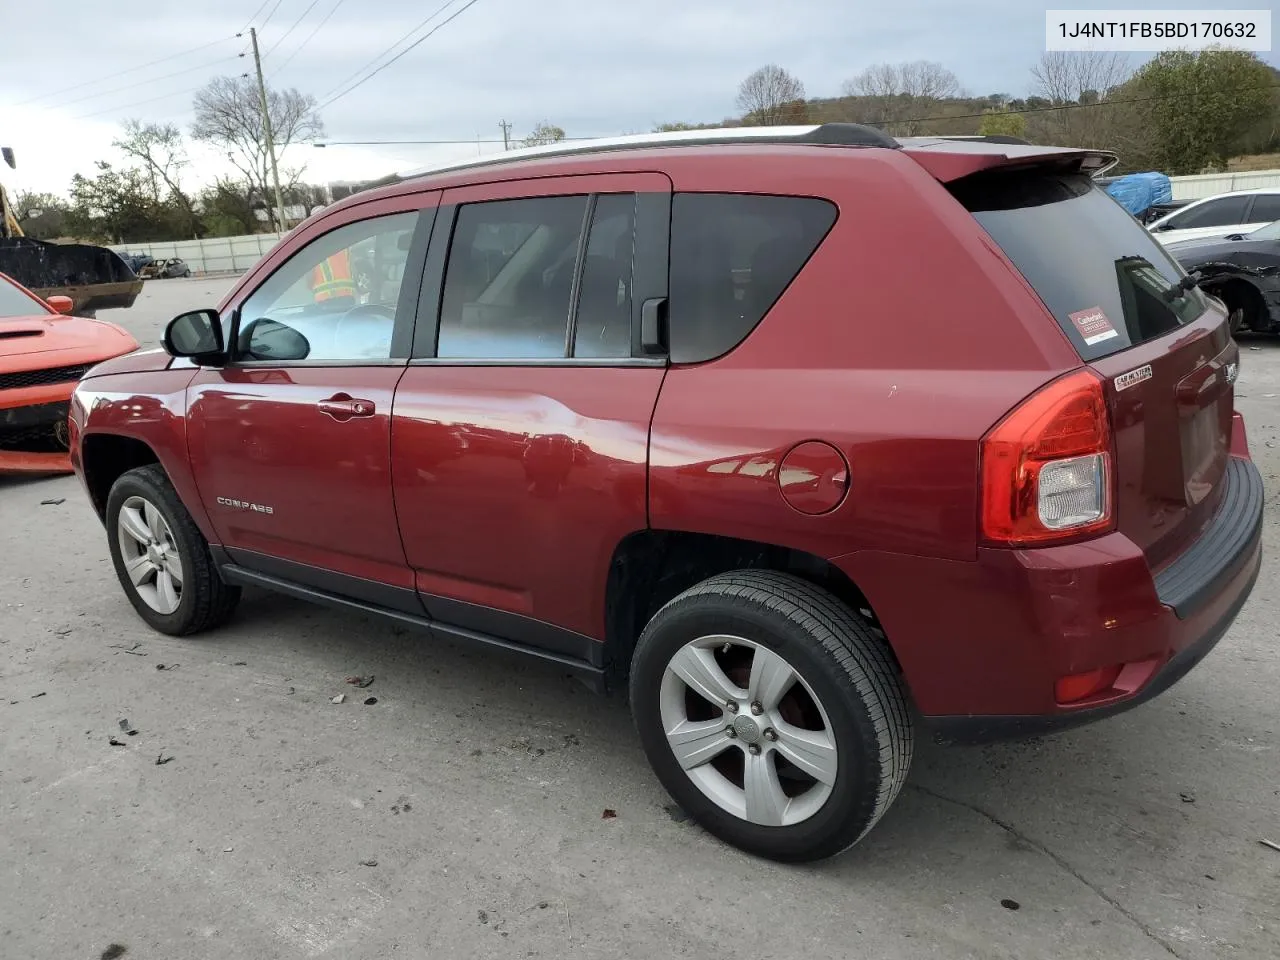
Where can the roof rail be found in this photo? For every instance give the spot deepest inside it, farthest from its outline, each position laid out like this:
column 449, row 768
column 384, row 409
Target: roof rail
column 826, row 134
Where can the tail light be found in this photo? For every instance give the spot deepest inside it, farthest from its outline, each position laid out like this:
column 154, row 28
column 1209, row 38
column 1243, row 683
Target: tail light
column 1047, row 468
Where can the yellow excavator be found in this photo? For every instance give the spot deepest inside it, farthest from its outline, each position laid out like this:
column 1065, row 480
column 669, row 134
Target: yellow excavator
column 95, row 278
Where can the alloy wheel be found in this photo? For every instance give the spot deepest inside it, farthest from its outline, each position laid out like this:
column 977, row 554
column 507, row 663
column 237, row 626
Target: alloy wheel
column 748, row 730
column 151, row 558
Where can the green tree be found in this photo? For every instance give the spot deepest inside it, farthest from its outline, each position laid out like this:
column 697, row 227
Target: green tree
column 227, row 208
column 1002, row 123
column 42, row 215
column 117, row 206
column 543, row 134
column 160, row 148
column 1203, row 105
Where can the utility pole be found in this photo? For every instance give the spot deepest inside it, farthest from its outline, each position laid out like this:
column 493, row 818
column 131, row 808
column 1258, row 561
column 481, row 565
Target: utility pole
column 266, row 127
column 506, row 134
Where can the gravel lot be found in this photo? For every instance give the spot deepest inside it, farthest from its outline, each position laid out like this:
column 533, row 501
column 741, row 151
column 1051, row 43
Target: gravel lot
column 478, row 784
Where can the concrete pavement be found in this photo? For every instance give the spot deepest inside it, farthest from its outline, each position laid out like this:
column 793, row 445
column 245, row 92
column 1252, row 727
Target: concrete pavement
column 478, row 785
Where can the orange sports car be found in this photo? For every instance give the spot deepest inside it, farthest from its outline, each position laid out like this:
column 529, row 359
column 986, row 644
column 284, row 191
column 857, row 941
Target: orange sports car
column 43, row 352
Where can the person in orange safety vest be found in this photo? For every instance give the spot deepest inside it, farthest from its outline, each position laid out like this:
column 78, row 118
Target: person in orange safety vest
column 332, row 278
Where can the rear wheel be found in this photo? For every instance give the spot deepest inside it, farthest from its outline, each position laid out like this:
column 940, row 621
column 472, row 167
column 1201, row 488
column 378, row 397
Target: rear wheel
column 161, row 558
column 1245, row 307
column 771, row 714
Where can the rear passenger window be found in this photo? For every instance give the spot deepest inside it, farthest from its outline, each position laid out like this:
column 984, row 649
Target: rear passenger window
column 603, row 325
column 732, row 256
column 509, row 279
column 1220, row 213
column 1266, row 208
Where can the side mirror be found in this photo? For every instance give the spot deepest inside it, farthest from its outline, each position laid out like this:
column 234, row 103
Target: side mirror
column 62, row 305
column 197, row 335
column 267, row 339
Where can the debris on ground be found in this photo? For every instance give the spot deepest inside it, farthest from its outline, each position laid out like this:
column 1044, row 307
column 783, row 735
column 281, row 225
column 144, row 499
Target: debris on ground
column 241, row 663
column 1270, row 843
column 114, row 951
column 1187, row 798
column 42, row 693
column 1010, row 904
column 64, row 631
column 53, row 502
column 116, row 742
column 360, row 682
column 675, row 813
column 131, row 649
column 370, row 701
column 167, row 666
column 609, row 814
column 161, row 760
column 128, row 728
column 368, row 863
column 340, row 698
column 227, row 849
column 482, row 916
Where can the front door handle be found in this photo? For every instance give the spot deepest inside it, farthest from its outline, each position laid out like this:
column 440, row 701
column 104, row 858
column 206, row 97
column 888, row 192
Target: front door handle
column 342, row 407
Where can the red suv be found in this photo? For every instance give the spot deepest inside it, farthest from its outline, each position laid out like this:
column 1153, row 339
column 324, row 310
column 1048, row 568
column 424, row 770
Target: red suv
column 812, row 439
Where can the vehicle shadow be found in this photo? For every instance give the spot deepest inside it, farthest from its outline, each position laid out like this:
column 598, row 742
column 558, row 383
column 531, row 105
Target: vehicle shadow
column 1104, row 803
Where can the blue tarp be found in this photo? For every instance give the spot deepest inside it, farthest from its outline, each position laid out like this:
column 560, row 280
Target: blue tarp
column 1138, row 191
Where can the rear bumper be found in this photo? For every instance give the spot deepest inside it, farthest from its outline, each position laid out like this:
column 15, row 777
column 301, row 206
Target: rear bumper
column 982, row 644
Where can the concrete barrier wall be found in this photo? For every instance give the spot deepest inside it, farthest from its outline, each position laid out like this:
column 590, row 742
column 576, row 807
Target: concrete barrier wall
column 1210, row 184
column 217, row 255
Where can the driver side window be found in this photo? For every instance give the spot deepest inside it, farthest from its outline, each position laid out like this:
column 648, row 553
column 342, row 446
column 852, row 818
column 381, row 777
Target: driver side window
column 335, row 299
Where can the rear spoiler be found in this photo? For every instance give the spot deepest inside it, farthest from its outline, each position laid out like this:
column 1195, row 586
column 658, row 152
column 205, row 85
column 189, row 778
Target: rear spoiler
column 949, row 159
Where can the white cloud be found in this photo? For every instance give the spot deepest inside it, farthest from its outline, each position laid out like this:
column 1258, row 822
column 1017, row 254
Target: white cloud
column 592, row 66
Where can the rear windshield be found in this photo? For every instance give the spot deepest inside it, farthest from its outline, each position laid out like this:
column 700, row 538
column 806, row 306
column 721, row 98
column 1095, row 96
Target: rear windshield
column 1106, row 280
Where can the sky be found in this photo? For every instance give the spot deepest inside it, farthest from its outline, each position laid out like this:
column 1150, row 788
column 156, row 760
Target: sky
column 593, row 67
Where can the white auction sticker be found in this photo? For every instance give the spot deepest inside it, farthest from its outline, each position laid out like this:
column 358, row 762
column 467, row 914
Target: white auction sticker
column 1150, row 31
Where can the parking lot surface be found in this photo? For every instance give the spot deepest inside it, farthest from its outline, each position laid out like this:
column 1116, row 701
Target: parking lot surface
column 464, row 813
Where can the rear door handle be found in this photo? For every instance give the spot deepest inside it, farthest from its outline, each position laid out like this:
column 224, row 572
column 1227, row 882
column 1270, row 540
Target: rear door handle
column 342, row 407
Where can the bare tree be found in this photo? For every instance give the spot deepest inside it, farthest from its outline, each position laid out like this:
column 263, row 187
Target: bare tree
column 1070, row 79
column 771, row 96
column 543, row 134
column 899, row 93
column 163, row 155
column 229, row 115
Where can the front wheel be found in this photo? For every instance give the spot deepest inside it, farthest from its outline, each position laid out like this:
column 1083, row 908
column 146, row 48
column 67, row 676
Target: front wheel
column 772, row 714
column 161, row 558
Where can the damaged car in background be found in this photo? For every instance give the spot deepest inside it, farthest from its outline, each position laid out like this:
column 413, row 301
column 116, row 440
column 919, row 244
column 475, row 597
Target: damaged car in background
column 1243, row 271
column 43, row 354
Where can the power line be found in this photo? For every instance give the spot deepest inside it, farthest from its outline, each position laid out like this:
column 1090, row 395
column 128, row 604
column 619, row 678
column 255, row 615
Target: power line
column 291, row 29
column 399, row 40
column 262, row 26
column 249, row 22
column 139, row 103
column 120, row 73
column 298, row 49
column 369, row 76
column 141, row 83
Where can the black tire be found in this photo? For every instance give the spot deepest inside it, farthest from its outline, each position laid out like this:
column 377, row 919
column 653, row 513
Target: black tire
column 846, row 666
column 1246, row 309
column 206, row 600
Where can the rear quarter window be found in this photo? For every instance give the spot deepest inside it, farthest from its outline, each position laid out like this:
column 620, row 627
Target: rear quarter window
column 1109, row 284
column 732, row 256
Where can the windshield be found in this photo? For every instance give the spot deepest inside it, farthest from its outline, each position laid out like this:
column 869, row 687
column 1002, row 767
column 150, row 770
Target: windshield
column 1270, row 232
column 15, row 303
column 1106, row 280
